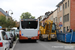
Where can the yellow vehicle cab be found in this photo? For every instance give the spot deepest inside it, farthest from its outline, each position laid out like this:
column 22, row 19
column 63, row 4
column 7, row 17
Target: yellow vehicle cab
column 47, row 30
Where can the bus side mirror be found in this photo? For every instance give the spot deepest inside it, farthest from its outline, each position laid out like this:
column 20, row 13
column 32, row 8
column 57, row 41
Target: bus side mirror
column 17, row 27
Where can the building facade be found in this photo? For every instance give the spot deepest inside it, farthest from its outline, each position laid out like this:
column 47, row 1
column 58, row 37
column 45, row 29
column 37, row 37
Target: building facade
column 51, row 16
column 55, row 18
column 60, row 16
column 64, row 15
column 3, row 13
column 67, row 13
column 72, row 14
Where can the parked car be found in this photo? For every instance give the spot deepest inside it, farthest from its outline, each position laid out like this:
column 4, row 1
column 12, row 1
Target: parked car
column 17, row 32
column 4, row 43
column 14, row 35
column 10, row 39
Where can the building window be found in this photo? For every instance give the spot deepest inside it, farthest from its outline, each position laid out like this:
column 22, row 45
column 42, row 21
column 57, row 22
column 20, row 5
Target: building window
column 56, row 19
column 64, row 29
column 66, row 18
column 67, row 28
column 63, row 6
column 60, row 19
column 66, row 5
column 60, row 7
column 51, row 18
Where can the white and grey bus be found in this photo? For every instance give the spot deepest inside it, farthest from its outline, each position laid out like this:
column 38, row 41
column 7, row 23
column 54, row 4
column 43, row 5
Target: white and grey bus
column 29, row 29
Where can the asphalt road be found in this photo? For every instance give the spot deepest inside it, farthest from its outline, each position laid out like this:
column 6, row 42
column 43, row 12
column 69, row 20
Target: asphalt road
column 43, row 45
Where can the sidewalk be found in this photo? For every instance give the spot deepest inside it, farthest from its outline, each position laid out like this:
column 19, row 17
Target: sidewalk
column 72, row 44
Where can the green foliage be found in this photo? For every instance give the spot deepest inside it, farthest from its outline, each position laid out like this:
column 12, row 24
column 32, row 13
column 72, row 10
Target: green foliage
column 6, row 23
column 33, row 17
column 26, row 15
column 2, row 21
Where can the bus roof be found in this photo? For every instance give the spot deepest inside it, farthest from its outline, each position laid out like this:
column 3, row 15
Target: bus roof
column 29, row 19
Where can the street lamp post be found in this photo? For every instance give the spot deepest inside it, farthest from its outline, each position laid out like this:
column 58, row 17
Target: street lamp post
column 7, row 16
column 11, row 12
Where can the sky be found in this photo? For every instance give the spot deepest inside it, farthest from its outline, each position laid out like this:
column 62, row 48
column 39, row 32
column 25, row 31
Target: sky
column 35, row 7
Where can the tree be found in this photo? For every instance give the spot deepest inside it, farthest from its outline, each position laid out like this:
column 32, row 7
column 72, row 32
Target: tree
column 6, row 23
column 26, row 15
column 2, row 21
column 33, row 17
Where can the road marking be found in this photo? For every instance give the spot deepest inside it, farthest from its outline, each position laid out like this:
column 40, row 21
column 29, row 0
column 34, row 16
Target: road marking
column 66, row 43
column 45, row 46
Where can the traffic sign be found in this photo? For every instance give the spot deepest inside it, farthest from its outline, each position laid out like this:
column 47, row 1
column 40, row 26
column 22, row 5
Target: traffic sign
column 60, row 24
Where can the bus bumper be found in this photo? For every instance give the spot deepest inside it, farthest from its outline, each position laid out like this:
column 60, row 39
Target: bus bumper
column 26, row 38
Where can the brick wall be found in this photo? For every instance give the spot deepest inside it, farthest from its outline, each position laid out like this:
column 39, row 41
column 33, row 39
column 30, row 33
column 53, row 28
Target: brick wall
column 72, row 14
column 2, row 14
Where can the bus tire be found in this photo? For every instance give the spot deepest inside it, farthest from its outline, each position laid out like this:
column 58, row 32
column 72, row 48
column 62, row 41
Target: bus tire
column 20, row 41
column 35, row 40
column 40, row 38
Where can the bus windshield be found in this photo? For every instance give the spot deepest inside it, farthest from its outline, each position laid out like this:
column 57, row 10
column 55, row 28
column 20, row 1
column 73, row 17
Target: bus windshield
column 29, row 24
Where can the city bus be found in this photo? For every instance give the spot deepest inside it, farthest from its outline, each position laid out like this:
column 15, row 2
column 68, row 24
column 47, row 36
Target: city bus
column 29, row 29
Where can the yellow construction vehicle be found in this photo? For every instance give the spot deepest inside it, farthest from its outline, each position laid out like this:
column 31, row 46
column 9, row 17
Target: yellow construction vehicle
column 47, row 30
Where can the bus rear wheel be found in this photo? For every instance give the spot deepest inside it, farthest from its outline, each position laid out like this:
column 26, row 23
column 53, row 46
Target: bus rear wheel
column 20, row 41
column 35, row 40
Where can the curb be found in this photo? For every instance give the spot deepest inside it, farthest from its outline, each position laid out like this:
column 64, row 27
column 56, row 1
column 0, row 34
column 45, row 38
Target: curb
column 14, row 44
